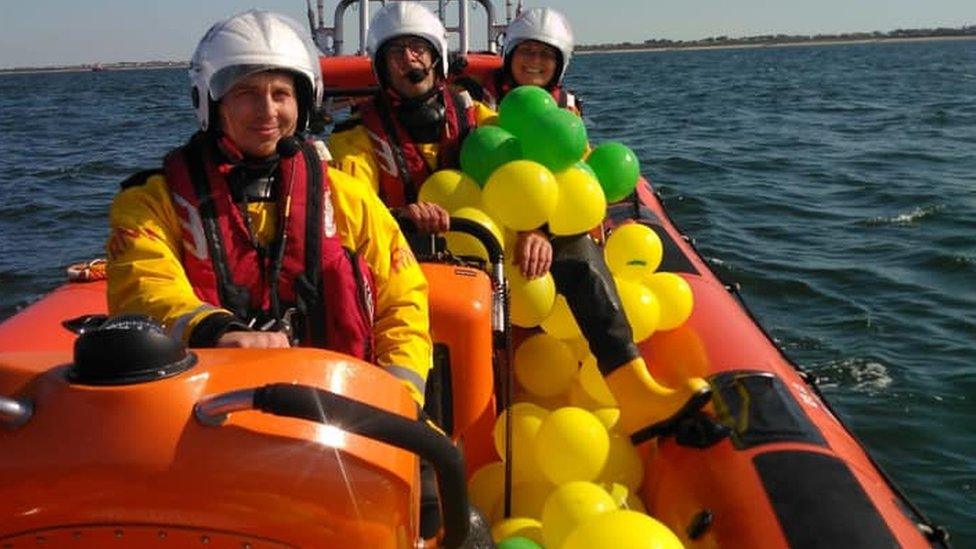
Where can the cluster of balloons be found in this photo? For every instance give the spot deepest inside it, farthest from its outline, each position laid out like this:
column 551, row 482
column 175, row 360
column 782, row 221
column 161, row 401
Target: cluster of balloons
column 652, row 300
column 529, row 170
column 574, row 477
column 532, row 170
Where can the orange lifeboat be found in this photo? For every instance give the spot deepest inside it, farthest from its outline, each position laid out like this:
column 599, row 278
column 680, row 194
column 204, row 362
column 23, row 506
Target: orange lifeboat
column 305, row 447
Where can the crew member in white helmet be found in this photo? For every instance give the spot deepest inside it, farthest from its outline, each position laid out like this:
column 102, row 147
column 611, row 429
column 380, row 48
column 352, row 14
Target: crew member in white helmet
column 415, row 125
column 538, row 48
column 245, row 238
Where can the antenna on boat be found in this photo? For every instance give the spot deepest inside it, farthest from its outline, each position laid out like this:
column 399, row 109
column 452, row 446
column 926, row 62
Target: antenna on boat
column 311, row 14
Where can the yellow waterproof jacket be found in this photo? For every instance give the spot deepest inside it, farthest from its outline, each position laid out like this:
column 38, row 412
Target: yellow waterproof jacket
column 145, row 274
column 352, row 150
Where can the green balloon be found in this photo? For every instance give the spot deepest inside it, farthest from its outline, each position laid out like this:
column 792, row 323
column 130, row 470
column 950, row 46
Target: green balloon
column 586, row 168
column 617, row 168
column 557, row 140
column 518, row 542
column 487, row 148
column 520, row 106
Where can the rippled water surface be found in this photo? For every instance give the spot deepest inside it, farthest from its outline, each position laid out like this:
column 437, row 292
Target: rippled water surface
column 836, row 184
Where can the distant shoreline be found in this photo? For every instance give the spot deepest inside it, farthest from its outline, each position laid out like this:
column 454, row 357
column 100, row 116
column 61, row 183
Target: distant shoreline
column 580, row 50
column 103, row 67
column 584, row 50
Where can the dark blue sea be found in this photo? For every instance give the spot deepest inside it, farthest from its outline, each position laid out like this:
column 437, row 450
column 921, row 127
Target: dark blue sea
column 835, row 184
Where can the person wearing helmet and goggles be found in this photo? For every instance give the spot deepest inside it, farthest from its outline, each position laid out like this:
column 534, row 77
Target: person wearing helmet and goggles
column 245, row 238
column 415, row 124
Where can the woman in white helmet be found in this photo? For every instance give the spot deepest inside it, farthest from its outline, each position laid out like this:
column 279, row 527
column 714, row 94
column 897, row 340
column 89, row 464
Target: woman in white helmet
column 243, row 223
column 538, row 48
column 415, row 125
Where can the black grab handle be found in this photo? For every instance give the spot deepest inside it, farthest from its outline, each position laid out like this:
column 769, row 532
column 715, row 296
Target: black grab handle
column 483, row 235
column 461, row 225
column 314, row 404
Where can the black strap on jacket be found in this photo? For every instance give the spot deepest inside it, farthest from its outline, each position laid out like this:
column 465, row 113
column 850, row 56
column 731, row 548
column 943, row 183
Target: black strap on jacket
column 233, row 297
column 310, row 287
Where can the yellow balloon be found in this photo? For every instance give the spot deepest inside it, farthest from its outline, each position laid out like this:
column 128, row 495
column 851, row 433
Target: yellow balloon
column 486, row 485
column 561, row 323
column 608, row 416
column 526, row 419
column 635, row 503
column 463, row 244
column 618, row 492
column 571, row 444
column 580, row 347
column 569, row 505
column 545, row 366
column 633, row 251
column 623, row 530
column 641, row 307
column 511, row 238
column 528, row 497
column 581, row 205
column 450, row 189
column 578, row 398
column 532, row 300
column 517, row 526
column 521, row 194
column 490, row 121
column 592, row 383
column 674, row 295
column 624, row 464
column 553, row 403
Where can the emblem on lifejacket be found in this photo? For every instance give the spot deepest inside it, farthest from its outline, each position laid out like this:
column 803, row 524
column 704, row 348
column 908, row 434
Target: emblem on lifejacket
column 384, row 154
column 192, row 225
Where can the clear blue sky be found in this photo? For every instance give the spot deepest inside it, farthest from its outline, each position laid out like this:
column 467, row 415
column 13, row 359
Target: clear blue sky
column 51, row 32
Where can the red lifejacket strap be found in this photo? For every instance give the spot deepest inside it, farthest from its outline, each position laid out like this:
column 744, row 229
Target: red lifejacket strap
column 190, row 159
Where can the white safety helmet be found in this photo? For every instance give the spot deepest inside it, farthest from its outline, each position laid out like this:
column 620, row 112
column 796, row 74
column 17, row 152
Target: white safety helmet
column 250, row 42
column 544, row 25
column 407, row 19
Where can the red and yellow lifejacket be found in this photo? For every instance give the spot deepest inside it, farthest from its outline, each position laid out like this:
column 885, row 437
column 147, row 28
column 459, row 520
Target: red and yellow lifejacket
column 331, row 286
column 391, row 141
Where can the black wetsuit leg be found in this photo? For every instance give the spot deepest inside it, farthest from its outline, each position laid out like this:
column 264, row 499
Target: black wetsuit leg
column 581, row 275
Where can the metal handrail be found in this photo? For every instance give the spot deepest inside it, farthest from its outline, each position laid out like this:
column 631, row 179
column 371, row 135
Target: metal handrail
column 331, row 39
